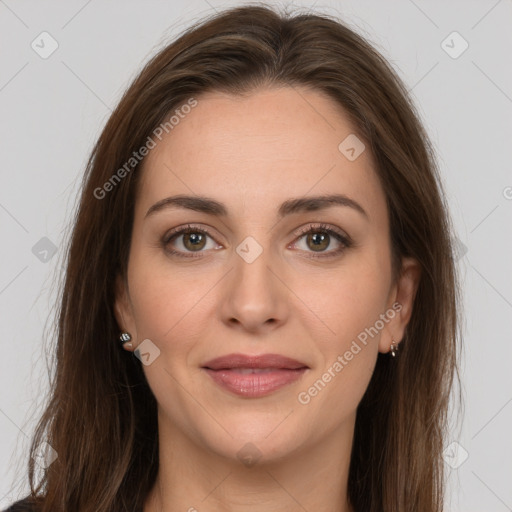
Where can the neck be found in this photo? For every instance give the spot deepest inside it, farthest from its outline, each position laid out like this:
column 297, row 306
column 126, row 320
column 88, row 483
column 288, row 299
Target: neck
column 193, row 479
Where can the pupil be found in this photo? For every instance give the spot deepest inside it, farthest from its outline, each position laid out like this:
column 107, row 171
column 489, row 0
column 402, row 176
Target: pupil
column 194, row 239
column 319, row 240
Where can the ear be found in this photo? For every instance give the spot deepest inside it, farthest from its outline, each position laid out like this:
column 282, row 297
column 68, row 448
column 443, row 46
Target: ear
column 124, row 311
column 401, row 301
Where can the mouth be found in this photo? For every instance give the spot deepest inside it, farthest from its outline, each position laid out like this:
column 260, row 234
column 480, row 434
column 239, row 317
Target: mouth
column 262, row 362
column 254, row 376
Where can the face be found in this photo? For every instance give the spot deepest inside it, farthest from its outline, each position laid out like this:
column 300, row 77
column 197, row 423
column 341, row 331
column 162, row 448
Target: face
column 247, row 278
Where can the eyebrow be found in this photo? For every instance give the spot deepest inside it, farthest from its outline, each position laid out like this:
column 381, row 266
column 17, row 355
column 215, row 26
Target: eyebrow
column 295, row 205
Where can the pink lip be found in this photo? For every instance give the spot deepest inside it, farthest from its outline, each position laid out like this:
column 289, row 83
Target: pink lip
column 263, row 361
column 254, row 385
column 269, row 373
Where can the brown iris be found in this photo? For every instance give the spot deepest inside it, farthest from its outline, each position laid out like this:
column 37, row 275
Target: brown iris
column 320, row 241
column 194, row 241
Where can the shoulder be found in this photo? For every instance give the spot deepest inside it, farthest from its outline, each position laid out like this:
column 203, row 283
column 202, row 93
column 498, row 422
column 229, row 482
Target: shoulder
column 24, row 505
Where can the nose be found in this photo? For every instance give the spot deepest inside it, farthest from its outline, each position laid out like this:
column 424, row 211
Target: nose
column 255, row 299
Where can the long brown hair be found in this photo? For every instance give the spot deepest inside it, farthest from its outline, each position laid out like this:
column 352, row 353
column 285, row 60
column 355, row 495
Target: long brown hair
column 101, row 418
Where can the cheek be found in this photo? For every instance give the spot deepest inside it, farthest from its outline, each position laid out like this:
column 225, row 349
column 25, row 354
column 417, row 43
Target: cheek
column 350, row 308
column 164, row 301
column 344, row 303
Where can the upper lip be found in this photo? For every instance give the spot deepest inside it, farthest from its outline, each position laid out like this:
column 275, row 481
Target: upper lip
column 248, row 361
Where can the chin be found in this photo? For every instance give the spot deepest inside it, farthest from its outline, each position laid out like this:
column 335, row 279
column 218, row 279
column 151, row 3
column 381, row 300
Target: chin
column 251, row 440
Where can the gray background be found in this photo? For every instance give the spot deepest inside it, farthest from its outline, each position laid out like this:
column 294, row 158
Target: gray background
column 53, row 109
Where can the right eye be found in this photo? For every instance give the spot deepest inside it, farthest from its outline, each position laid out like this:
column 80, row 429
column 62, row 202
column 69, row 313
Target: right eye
column 189, row 239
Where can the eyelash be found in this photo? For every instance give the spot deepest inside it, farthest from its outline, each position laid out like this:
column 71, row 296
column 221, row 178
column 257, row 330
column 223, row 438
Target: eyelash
column 345, row 241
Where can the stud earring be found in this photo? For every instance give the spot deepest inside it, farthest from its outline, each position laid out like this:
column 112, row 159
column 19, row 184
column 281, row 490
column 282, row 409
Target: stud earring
column 125, row 339
column 394, row 348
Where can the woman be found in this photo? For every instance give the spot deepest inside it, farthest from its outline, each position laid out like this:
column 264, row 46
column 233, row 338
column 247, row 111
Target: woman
column 263, row 229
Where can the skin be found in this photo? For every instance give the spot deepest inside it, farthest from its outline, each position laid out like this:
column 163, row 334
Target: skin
column 252, row 154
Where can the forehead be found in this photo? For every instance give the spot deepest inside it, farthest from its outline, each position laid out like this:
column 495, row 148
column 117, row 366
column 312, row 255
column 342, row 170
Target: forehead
column 259, row 150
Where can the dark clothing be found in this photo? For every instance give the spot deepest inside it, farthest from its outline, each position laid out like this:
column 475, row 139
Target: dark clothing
column 21, row 506
column 24, row 506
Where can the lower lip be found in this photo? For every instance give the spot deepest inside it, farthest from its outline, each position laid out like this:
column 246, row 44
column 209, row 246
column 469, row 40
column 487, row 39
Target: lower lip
column 254, row 385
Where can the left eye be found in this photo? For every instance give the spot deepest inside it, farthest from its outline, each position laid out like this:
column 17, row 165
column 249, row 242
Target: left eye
column 318, row 238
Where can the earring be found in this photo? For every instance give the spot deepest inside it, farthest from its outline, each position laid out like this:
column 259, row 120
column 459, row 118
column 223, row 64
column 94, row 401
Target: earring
column 125, row 338
column 394, row 347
